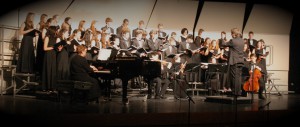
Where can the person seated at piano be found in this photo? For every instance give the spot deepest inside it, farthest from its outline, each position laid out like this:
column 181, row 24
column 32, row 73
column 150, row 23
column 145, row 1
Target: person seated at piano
column 162, row 82
column 80, row 71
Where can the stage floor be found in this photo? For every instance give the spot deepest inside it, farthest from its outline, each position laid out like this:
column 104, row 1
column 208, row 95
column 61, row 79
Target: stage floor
column 151, row 112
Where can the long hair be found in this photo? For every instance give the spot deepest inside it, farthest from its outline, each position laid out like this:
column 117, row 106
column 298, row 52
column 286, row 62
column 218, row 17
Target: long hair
column 29, row 21
column 80, row 25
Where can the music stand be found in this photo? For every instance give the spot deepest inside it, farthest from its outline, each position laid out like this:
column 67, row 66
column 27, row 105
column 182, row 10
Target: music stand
column 104, row 54
column 216, row 69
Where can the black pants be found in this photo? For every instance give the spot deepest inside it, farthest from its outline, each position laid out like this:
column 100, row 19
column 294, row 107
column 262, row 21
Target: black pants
column 160, row 89
column 235, row 78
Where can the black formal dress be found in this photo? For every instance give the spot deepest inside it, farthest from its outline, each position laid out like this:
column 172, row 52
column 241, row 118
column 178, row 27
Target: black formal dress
column 63, row 68
column 49, row 67
column 26, row 58
column 39, row 55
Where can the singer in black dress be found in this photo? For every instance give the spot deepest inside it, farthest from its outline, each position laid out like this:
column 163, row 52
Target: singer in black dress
column 26, row 58
column 49, row 67
column 63, row 71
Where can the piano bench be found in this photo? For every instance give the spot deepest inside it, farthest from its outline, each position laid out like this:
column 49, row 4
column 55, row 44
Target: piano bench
column 73, row 91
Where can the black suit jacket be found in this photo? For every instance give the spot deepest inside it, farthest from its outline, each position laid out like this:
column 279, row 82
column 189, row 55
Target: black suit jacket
column 154, row 45
column 198, row 41
column 134, row 31
column 236, row 46
column 124, row 44
column 253, row 45
column 111, row 29
column 119, row 32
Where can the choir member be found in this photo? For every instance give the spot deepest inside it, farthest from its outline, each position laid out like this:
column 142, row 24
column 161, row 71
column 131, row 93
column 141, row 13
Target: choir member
column 251, row 41
column 140, row 27
column 107, row 26
column 153, row 42
column 42, row 23
column 89, row 34
column 199, row 39
column 63, row 71
column 214, row 52
column 138, row 40
column 49, row 67
column 81, row 27
column 125, row 41
column 26, row 58
column 41, row 26
column 184, row 34
column 122, row 27
column 160, row 31
column 67, row 25
column 222, row 39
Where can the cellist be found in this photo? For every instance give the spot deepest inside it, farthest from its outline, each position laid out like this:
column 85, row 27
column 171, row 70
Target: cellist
column 256, row 64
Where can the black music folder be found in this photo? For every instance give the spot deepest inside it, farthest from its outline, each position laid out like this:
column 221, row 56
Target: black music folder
column 62, row 42
column 171, row 55
column 131, row 48
column 32, row 33
column 203, row 49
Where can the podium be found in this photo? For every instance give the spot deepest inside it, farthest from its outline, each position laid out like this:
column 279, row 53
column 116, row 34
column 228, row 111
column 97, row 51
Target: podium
column 212, row 75
column 213, row 72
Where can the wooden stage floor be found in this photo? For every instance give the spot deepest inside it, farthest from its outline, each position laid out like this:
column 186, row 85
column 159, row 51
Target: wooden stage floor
column 170, row 112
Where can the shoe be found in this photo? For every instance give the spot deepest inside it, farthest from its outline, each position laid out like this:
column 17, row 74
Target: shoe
column 157, row 97
column 261, row 97
column 149, row 96
column 163, row 97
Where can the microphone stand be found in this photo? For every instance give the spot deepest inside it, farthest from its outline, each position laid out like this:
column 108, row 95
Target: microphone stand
column 189, row 99
column 252, row 92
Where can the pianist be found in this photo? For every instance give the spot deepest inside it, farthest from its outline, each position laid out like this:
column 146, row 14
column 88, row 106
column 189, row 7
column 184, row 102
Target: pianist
column 80, row 69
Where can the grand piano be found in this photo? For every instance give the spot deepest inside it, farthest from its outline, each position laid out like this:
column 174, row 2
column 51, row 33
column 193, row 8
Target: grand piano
column 127, row 68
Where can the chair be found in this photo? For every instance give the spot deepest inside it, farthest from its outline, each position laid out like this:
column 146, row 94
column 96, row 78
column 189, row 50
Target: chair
column 75, row 90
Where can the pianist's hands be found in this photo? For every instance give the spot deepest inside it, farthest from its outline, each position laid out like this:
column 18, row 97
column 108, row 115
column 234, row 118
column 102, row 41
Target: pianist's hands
column 94, row 68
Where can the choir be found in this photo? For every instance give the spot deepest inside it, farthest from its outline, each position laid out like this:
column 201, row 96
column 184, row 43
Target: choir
column 57, row 45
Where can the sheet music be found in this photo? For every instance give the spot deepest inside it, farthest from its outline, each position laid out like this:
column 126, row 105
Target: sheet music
column 104, row 54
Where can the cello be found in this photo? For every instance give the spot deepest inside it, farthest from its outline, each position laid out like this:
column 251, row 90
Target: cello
column 252, row 85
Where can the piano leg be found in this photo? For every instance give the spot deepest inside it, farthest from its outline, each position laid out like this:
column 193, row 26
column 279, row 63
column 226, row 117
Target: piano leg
column 124, row 90
column 107, row 83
